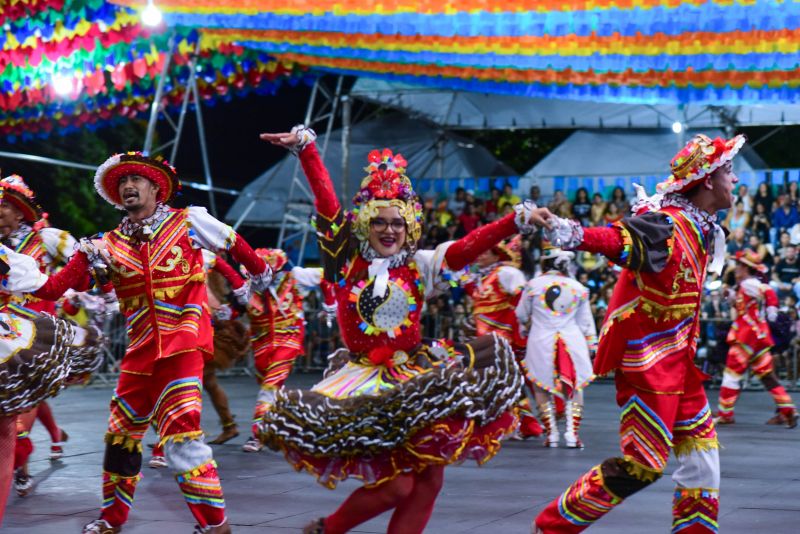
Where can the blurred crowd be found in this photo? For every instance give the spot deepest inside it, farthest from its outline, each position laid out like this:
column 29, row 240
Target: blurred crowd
column 766, row 221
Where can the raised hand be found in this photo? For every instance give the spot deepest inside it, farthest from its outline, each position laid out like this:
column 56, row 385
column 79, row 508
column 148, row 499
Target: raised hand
column 287, row 140
column 295, row 141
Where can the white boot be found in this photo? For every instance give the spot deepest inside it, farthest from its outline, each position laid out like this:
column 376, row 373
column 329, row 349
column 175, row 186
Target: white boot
column 573, row 413
column 547, row 414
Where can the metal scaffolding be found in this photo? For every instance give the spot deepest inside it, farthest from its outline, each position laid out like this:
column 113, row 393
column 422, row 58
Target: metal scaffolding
column 191, row 94
column 322, row 108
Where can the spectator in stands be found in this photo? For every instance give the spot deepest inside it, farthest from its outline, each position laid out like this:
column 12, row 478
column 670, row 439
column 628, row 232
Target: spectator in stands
column 737, row 217
column 764, row 197
column 475, row 202
column 784, row 217
column 534, row 193
column 507, row 198
column 743, row 194
column 456, row 203
column 619, row 200
column 613, row 213
column 468, row 220
column 443, row 216
column 560, row 205
column 598, row 211
column 786, row 275
column 760, row 223
column 715, row 307
column 581, row 207
column 783, row 243
column 491, row 207
column 794, row 193
column 755, row 244
column 736, row 241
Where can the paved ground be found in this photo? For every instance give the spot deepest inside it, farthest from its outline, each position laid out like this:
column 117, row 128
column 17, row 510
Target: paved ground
column 760, row 478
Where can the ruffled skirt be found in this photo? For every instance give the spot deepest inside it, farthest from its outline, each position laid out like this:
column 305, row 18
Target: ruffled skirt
column 41, row 355
column 440, row 404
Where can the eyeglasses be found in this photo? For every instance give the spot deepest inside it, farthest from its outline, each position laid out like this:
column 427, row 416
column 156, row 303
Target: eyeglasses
column 379, row 225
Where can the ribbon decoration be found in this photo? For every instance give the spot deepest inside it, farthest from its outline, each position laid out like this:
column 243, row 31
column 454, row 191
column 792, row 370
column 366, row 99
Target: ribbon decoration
column 634, row 51
column 110, row 64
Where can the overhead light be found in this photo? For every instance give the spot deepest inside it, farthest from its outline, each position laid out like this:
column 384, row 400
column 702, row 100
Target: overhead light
column 677, row 127
column 62, row 84
column 151, row 15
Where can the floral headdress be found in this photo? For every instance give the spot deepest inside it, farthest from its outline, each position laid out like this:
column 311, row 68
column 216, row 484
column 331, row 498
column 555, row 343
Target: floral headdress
column 386, row 185
column 699, row 158
column 510, row 250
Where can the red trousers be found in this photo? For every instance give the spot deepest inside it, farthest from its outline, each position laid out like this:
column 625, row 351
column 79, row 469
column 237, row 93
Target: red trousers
column 172, row 396
column 273, row 364
column 651, row 426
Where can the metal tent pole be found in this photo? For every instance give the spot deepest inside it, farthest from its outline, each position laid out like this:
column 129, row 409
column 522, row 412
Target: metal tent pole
column 156, row 105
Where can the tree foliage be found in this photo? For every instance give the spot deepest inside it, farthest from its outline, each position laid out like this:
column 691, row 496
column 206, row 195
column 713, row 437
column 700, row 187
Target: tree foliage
column 68, row 194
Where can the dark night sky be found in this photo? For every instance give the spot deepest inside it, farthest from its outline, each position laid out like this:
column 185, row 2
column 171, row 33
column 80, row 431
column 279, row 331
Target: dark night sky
column 236, row 154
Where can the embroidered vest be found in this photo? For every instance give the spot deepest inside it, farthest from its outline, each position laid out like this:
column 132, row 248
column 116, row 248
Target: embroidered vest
column 278, row 321
column 33, row 246
column 750, row 329
column 494, row 309
column 653, row 321
column 392, row 320
column 161, row 289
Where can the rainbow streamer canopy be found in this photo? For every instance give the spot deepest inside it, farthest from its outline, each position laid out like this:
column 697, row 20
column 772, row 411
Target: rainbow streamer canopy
column 653, row 51
column 75, row 64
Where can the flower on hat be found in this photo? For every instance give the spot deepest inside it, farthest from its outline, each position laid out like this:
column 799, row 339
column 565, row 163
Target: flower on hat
column 700, row 157
column 275, row 257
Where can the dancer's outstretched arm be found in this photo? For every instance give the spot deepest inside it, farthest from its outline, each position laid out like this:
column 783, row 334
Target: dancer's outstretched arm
column 640, row 243
column 525, row 219
column 23, row 275
column 300, row 141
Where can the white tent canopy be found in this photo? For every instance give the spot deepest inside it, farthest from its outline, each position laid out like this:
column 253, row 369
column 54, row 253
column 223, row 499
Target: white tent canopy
column 430, row 152
column 466, row 110
column 601, row 160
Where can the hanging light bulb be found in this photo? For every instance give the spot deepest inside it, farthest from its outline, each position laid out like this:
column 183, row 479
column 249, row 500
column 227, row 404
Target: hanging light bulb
column 677, row 127
column 62, row 84
column 151, row 15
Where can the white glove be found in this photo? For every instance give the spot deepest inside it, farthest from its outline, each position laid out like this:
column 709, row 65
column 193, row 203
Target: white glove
column 223, row 313
column 522, row 217
column 306, row 136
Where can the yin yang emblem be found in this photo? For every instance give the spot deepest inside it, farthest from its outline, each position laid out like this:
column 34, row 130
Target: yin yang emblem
column 559, row 299
column 387, row 312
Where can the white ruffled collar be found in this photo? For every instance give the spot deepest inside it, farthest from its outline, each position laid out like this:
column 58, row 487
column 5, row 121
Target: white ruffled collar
column 705, row 220
column 15, row 238
column 370, row 254
column 128, row 228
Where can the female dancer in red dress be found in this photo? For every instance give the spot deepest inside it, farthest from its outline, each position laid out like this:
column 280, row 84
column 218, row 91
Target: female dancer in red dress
column 393, row 409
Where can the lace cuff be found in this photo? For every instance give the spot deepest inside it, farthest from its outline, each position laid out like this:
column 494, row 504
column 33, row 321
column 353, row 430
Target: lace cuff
column 523, row 212
column 564, row 233
column 260, row 282
column 305, row 135
column 242, row 293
